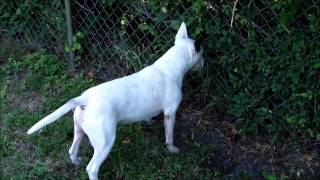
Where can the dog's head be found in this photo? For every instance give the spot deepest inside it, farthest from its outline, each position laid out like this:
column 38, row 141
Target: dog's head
column 195, row 49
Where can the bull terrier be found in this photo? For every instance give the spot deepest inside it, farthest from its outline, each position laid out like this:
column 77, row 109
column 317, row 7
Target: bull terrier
column 138, row 97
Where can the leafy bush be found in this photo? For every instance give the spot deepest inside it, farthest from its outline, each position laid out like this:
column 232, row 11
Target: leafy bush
column 274, row 81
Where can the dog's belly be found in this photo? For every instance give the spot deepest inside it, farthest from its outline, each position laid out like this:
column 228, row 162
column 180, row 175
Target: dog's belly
column 139, row 108
column 135, row 117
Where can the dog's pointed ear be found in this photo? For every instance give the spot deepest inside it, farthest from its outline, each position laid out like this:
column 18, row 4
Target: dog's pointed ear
column 182, row 32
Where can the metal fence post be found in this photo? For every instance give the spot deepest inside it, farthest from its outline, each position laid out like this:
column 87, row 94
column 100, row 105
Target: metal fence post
column 69, row 27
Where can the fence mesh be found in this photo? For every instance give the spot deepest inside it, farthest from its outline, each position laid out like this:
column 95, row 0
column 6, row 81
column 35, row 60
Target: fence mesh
column 119, row 37
column 115, row 31
column 37, row 24
column 124, row 34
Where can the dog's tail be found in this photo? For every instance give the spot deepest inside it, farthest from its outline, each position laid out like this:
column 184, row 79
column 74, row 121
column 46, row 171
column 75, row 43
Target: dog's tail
column 71, row 104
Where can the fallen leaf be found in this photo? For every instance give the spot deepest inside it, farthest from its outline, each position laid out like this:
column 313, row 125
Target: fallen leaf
column 89, row 74
column 126, row 141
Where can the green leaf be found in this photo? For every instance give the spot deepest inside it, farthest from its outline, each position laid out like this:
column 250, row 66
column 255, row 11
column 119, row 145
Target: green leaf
column 77, row 46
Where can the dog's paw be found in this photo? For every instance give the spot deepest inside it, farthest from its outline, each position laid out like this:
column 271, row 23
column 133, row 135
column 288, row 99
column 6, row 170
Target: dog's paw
column 173, row 149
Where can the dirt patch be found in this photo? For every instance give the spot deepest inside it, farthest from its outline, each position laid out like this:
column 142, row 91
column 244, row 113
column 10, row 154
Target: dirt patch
column 33, row 101
column 28, row 100
column 237, row 153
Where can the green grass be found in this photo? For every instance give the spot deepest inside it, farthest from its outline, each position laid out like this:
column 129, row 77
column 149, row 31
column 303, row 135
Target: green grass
column 35, row 84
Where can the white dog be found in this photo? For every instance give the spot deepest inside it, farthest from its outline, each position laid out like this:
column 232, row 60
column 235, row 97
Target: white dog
column 140, row 96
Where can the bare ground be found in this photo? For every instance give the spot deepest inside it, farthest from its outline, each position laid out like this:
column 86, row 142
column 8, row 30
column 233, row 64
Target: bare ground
column 237, row 153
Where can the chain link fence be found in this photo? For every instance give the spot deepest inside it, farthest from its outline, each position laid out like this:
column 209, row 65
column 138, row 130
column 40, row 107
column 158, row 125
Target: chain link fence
column 116, row 38
column 36, row 24
column 125, row 35
column 133, row 34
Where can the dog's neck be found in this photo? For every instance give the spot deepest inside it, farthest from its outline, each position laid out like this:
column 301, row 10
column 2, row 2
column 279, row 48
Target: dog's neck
column 175, row 63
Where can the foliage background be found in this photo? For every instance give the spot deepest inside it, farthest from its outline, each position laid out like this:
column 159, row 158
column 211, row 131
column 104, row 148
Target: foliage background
column 263, row 72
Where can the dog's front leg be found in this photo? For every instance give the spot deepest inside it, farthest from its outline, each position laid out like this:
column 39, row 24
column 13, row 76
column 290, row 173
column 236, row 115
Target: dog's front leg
column 169, row 120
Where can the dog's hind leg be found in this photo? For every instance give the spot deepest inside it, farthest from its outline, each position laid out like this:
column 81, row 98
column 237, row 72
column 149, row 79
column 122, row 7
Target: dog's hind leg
column 78, row 135
column 102, row 135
